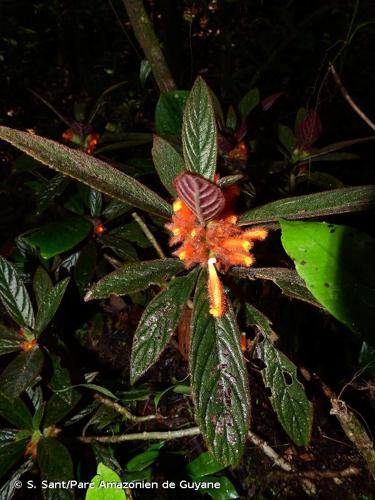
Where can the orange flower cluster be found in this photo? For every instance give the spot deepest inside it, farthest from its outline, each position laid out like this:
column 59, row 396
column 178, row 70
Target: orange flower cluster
column 217, row 245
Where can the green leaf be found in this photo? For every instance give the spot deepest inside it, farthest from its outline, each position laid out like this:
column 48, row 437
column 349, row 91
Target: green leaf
column 9, row 487
column 54, row 187
column 158, row 323
column 21, row 373
column 42, row 285
column 203, row 465
column 145, row 459
column 225, row 491
column 317, row 153
column 135, row 277
column 366, row 359
column 288, row 398
column 287, row 280
column 286, row 137
column 115, row 209
column 199, row 134
column 106, row 475
column 16, row 412
column 55, row 464
column 120, row 245
column 219, row 379
column 84, row 269
column 87, row 169
column 337, row 201
column 231, row 118
column 14, row 295
column 58, row 237
column 10, row 454
column 144, row 71
column 167, row 161
column 169, row 111
column 336, row 264
column 249, row 102
column 95, row 202
column 9, row 340
column 51, row 302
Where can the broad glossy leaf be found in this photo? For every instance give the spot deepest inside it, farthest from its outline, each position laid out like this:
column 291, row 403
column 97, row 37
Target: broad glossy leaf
column 203, row 465
column 58, row 237
column 286, row 137
column 287, row 280
column 158, row 323
column 337, row 201
column 169, row 111
column 199, row 134
column 225, row 492
column 203, row 197
column 249, row 102
column 84, row 269
column 51, row 303
column 14, row 295
column 145, row 459
column 288, row 398
column 21, row 372
column 9, row 340
column 10, row 454
column 87, row 169
column 135, row 277
column 336, row 263
column 55, row 464
column 42, row 285
column 9, row 487
column 309, row 130
column 167, row 161
column 219, row 379
column 16, row 412
column 107, row 475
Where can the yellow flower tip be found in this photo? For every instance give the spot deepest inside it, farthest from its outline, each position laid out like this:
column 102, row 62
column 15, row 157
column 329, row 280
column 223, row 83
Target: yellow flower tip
column 215, row 290
column 176, row 231
column 181, row 255
column 193, row 233
column 237, row 243
column 177, row 205
column 256, row 234
column 232, row 219
column 248, row 261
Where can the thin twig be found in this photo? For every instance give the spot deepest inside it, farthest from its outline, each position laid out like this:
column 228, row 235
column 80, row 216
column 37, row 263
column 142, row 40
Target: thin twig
column 148, row 234
column 143, row 436
column 316, row 474
column 123, row 411
column 270, row 452
column 350, row 101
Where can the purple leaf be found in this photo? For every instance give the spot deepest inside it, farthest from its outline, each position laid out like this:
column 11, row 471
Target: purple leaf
column 270, row 100
column 309, row 130
column 203, row 197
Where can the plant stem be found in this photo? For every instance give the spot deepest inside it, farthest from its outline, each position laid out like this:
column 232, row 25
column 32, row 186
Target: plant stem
column 143, row 436
column 122, row 410
column 145, row 34
column 148, row 234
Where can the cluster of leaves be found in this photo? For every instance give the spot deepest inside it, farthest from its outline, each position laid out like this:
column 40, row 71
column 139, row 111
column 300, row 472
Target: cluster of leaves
column 330, row 262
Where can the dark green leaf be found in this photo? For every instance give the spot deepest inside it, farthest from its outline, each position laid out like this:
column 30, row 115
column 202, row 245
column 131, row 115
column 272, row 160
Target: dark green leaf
column 9, row 340
column 55, row 187
column 9, row 488
column 336, row 264
column 106, row 475
column 95, row 202
column 249, row 102
column 104, row 453
column 10, row 454
column 51, row 302
column 288, row 280
column 128, row 140
column 55, row 464
column 320, row 179
column 167, row 161
column 158, row 323
column 120, row 245
column 58, row 237
column 288, row 398
column 231, row 118
column 169, row 111
column 14, row 295
column 336, row 147
column 366, row 359
column 225, row 491
column 219, row 379
column 129, row 232
column 87, row 169
column 286, row 137
column 135, row 277
column 337, row 201
column 199, row 134
column 228, row 180
column 203, row 465
column 21, row 372
column 144, row 71
column 145, row 459
column 42, row 285
column 114, row 209
column 85, row 267
column 16, row 412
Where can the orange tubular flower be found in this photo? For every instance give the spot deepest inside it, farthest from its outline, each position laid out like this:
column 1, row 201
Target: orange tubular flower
column 216, row 244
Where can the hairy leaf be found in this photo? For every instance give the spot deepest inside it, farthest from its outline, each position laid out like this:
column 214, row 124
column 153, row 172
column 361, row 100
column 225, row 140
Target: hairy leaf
column 309, row 130
column 199, row 134
column 84, row 269
column 87, row 169
column 219, row 379
column 169, row 111
column 16, row 412
column 21, row 373
column 42, row 285
column 158, row 323
column 134, row 277
column 337, row 201
column 167, row 161
column 10, row 454
column 55, row 464
column 50, row 305
column 14, row 295
column 10, row 486
column 55, row 187
column 203, row 197
column 336, row 264
column 288, row 398
column 9, row 340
